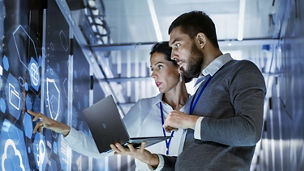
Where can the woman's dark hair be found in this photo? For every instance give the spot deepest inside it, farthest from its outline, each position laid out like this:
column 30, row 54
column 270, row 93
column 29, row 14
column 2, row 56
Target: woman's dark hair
column 196, row 22
column 163, row 47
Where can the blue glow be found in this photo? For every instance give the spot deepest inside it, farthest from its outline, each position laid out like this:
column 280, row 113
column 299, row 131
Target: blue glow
column 28, row 125
column 13, row 150
column 13, row 96
column 40, row 61
column 55, row 147
column 28, row 102
column 5, row 63
column 2, row 105
column 39, row 150
column 34, row 74
column 26, row 86
column 1, row 82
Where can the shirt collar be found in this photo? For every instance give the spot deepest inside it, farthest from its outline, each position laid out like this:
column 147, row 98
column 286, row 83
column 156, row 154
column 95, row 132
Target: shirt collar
column 157, row 99
column 216, row 64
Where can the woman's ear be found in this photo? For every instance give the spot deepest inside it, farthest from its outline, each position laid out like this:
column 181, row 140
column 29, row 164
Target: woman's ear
column 201, row 40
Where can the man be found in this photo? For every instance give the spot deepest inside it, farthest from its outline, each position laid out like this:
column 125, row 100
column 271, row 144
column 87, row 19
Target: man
column 226, row 115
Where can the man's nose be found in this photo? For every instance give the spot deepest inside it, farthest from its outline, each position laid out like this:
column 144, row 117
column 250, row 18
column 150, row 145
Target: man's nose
column 174, row 55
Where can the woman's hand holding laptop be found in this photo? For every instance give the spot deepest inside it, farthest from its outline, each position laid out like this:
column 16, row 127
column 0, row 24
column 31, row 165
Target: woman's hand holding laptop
column 139, row 153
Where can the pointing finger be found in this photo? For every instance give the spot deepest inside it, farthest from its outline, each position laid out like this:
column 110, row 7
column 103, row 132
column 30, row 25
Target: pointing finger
column 38, row 125
column 31, row 113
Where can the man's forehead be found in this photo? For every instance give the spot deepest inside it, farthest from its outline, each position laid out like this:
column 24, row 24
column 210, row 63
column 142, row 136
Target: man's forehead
column 175, row 34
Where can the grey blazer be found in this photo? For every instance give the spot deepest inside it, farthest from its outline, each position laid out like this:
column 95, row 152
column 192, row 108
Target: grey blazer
column 232, row 107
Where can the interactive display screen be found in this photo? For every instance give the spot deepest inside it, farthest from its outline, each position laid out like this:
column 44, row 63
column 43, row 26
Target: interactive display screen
column 31, row 80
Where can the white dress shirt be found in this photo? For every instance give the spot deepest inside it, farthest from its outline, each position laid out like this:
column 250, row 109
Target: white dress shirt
column 143, row 120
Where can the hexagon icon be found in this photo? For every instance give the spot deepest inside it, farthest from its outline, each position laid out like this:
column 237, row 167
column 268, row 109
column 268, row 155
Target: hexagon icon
column 28, row 125
column 33, row 68
column 19, row 35
column 5, row 63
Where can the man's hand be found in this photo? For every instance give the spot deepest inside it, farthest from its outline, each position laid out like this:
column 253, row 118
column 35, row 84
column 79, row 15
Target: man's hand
column 177, row 119
column 141, row 154
column 49, row 123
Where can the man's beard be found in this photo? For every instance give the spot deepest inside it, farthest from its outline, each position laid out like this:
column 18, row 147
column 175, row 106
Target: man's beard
column 195, row 64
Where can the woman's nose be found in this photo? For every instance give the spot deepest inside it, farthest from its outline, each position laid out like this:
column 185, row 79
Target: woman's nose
column 153, row 74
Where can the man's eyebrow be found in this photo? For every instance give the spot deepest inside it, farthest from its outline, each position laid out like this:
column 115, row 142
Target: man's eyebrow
column 174, row 41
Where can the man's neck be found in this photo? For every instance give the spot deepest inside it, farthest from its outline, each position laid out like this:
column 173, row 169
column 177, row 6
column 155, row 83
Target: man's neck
column 210, row 56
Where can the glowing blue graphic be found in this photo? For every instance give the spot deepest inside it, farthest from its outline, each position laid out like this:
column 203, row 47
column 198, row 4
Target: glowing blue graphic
column 34, row 74
column 40, row 60
column 2, row 105
column 55, row 147
column 26, row 86
column 13, row 96
column 13, row 154
column 39, row 150
column 36, row 104
column 53, row 98
column 15, row 162
column 20, row 33
column 5, row 63
column 28, row 125
column 64, row 41
column 1, row 83
column 28, row 102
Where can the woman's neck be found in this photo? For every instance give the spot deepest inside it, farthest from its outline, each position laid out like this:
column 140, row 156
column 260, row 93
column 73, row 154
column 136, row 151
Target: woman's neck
column 177, row 96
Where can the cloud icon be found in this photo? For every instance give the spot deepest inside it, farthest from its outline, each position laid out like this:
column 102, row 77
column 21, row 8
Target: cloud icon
column 11, row 164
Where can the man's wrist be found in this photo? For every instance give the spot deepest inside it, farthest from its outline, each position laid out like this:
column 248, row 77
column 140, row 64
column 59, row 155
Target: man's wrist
column 193, row 120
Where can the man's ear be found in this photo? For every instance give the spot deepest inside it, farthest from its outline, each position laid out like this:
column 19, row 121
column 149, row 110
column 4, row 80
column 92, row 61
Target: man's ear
column 201, row 40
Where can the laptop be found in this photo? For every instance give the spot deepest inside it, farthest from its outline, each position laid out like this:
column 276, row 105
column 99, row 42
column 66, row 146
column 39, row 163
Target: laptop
column 107, row 127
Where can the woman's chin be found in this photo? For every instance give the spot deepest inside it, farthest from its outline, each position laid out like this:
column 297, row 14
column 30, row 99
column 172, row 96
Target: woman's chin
column 161, row 90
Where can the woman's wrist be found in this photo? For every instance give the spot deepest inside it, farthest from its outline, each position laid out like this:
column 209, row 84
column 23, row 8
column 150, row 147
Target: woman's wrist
column 66, row 130
column 154, row 161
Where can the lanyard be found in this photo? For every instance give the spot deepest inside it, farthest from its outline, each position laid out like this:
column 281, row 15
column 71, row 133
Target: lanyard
column 193, row 104
column 168, row 141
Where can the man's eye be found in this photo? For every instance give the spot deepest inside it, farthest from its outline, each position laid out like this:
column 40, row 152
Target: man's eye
column 160, row 66
column 177, row 45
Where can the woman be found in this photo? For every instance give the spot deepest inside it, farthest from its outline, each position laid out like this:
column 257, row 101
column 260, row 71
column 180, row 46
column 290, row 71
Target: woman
column 146, row 117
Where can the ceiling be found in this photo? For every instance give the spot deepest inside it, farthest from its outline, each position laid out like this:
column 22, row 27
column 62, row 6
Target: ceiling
column 130, row 21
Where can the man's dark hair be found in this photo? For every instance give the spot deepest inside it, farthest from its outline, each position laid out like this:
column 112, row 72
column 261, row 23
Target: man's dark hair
column 163, row 47
column 195, row 22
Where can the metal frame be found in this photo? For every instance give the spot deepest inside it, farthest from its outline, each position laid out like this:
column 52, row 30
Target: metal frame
column 148, row 45
column 89, row 54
